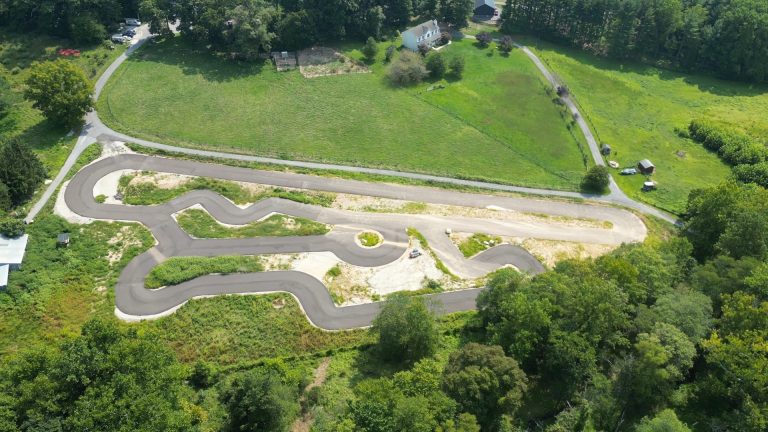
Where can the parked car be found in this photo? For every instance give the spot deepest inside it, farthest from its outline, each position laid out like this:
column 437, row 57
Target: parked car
column 133, row 22
column 118, row 38
column 129, row 33
column 414, row 254
column 628, row 171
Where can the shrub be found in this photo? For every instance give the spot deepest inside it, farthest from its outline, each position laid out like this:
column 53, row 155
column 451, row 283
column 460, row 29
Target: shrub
column 11, row 227
column 389, row 53
column 423, row 49
column 436, row 65
column 484, row 39
column 596, row 179
column 506, row 44
column 22, row 176
column 445, row 37
column 457, row 66
column 733, row 146
column 5, row 198
column 757, row 173
column 370, row 49
column 85, row 29
column 407, row 70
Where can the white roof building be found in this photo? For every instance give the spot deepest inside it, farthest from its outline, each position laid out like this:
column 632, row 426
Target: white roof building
column 11, row 254
column 427, row 33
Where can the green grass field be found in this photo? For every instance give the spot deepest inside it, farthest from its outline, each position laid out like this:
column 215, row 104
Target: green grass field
column 636, row 108
column 498, row 123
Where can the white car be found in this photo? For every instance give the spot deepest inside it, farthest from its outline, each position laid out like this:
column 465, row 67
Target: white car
column 118, row 38
column 133, row 22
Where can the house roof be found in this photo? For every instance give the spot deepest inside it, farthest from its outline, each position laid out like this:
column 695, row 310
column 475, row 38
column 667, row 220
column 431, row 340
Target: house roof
column 12, row 249
column 491, row 3
column 645, row 163
column 422, row 29
column 4, row 275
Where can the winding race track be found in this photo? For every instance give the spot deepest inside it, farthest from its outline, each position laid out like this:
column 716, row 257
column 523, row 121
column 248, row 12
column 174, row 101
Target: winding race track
column 134, row 301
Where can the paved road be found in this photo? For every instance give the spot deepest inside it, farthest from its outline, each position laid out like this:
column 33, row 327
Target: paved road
column 134, row 301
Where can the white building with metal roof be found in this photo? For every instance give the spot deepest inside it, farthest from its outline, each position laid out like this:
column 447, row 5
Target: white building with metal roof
column 11, row 255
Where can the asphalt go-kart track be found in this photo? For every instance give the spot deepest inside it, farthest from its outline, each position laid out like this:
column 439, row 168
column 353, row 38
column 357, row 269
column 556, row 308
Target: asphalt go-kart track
column 134, row 301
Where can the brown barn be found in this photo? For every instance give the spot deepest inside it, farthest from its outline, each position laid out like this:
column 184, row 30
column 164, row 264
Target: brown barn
column 646, row 167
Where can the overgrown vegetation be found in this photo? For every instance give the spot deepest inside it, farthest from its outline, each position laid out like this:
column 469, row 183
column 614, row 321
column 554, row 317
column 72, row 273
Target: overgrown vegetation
column 748, row 156
column 200, row 224
column 149, row 193
column 176, row 270
column 477, row 243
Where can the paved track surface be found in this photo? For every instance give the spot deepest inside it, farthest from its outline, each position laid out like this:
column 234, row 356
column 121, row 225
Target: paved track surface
column 135, row 301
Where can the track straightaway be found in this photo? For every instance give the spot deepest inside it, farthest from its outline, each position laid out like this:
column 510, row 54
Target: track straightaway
column 133, row 300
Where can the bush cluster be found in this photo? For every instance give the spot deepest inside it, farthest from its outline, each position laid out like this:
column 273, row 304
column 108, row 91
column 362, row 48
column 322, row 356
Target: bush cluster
column 749, row 157
column 733, row 146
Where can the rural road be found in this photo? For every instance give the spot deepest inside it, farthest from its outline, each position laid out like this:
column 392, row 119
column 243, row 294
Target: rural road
column 134, row 301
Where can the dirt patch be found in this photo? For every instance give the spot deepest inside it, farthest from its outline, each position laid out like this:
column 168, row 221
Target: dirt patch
column 551, row 252
column 386, row 205
column 323, row 61
column 120, row 243
column 304, row 423
column 161, row 180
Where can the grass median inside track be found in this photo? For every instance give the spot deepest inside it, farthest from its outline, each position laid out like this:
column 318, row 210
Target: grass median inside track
column 176, row 270
column 200, row 224
column 497, row 123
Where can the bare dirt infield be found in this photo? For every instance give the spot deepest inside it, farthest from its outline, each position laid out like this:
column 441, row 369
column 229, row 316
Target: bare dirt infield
column 323, row 61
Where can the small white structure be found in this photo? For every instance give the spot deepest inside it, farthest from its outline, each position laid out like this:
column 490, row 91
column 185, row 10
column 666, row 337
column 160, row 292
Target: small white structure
column 11, row 254
column 427, row 33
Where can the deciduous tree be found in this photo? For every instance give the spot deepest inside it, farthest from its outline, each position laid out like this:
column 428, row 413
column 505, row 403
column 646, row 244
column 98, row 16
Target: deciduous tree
column 61, row 91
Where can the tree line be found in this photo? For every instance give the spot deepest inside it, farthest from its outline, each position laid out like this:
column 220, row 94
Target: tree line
column 726, row 37
column 246, row 27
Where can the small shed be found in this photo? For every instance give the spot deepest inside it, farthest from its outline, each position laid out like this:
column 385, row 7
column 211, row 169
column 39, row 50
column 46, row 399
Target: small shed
column 485, row 8
column 62, row 240
column 646, row 167
column 605, row 149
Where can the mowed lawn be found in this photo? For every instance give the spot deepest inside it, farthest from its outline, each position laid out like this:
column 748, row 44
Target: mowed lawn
column 496, row 124
column 636, row 108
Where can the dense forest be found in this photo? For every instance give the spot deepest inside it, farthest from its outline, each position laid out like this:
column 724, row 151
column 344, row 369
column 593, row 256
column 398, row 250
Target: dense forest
column 727, row 37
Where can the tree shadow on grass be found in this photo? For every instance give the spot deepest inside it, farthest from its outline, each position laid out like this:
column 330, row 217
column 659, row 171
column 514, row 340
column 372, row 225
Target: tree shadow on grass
column 197, row 59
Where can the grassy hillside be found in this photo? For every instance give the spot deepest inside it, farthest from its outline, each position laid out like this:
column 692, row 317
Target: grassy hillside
column 498, row 123
column 636, row 108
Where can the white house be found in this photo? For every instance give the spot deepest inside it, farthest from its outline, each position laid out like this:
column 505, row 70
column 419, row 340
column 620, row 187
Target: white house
column 11, row 254
column 427, row 33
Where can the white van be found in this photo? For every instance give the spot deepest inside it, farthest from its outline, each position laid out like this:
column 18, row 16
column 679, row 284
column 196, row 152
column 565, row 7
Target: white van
column 132, row 22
